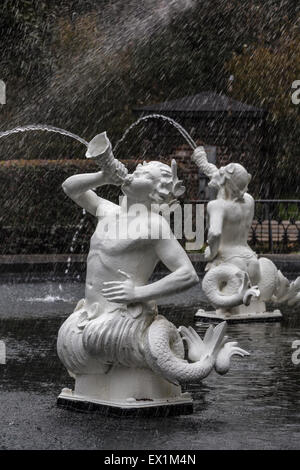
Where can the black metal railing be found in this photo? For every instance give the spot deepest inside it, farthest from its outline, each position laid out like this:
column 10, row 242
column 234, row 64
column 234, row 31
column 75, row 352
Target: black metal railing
column 275, row 229
column 276, row 226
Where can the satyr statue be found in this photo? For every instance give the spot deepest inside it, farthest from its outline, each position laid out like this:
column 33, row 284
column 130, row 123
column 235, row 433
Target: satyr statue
column 237, row 282
column 121, row 352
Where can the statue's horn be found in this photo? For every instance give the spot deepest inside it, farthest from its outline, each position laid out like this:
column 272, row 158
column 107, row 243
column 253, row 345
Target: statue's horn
column 100, row 148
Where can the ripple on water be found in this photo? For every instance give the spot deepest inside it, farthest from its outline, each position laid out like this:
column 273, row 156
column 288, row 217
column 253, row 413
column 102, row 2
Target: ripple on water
column 256, row 405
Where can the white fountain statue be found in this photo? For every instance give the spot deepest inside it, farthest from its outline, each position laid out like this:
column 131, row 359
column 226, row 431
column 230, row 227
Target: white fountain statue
column 237, row 283
column 124, row 356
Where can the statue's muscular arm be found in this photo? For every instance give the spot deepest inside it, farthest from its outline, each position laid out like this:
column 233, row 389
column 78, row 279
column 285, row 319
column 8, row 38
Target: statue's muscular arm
column 182, row 276
column 80, row 189
column 173, row 256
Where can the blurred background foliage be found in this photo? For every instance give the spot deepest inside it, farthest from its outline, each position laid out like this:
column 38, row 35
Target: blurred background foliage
column 82, row 65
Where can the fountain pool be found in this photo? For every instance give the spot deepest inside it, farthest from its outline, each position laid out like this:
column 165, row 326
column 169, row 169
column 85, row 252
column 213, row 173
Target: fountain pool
column 255, row 406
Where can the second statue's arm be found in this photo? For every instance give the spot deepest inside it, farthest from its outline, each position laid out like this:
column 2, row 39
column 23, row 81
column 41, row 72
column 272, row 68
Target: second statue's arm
column 200, row 158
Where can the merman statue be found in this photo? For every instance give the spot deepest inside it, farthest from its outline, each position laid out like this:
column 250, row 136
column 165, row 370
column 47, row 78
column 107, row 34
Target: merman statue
column 124, row 356
column 237, row 283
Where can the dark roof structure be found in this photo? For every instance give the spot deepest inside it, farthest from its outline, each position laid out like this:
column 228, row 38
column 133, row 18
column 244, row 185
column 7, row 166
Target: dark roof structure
column 206, row 102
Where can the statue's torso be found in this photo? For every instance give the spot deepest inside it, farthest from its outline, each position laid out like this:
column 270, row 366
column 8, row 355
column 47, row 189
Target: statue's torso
column 111, row 251
column 237, row 221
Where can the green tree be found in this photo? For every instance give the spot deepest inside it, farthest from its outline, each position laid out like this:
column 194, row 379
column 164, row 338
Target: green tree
column 263, row 76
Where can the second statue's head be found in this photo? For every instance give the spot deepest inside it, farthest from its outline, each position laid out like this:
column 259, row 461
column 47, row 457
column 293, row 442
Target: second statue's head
column 234, row 177
column 153, row 182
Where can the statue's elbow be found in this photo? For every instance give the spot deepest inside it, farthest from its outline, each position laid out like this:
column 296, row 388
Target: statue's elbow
column 194, row 278
column 66, row 187
column 214, row 235
column 190, row 277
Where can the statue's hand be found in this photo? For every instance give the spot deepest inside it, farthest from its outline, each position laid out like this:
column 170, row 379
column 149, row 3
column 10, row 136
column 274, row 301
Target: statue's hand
column 199, row 152
column 110, row 178
column 120, row 291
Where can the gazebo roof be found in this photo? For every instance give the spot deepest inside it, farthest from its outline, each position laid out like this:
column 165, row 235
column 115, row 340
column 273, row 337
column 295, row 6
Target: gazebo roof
column 204, row 102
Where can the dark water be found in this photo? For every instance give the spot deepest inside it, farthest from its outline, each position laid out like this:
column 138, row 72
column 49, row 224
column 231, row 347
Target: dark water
column 255, row 406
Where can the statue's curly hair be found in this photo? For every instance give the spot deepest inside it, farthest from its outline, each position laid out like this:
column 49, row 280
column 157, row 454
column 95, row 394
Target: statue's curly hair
column 169, row 187
column 238, row 179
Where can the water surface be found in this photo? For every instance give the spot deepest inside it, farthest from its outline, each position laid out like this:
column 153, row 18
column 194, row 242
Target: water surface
column 255, row 406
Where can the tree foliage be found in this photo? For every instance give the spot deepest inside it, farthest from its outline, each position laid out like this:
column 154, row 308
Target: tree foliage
column 83, row 65
column 263, row 75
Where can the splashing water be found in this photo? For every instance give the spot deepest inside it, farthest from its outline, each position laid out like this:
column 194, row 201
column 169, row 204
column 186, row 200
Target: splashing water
column 42, row 127
column 47, row 299
column 57, row 130
column 171, row 121
column 80, row 225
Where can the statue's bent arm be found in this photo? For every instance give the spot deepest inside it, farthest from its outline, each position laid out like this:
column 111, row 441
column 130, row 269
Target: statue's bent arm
column 182, row 276
column 80, row 189
column 200, row 158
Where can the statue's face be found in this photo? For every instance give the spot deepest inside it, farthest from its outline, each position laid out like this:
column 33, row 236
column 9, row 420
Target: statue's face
column 141, row 182
column 233, row 176
column 218, row 179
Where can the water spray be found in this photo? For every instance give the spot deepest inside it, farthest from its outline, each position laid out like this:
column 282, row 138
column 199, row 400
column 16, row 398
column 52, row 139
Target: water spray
column 100, row 147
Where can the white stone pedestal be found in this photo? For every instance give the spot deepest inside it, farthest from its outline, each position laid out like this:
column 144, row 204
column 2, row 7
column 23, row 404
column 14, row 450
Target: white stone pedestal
column 256, row 311
column 126, row 392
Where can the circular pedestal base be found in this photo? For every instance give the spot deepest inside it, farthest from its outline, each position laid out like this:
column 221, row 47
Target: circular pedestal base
column 214, row 316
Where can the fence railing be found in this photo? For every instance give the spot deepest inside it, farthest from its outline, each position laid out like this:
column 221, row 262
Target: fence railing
column 275, row 227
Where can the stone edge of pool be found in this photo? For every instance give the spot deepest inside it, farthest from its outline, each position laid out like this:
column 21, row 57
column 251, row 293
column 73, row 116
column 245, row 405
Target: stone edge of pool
column 57, row 263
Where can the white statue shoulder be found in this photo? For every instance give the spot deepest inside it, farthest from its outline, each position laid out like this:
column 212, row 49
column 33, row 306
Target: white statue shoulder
column 106, row 208
column 249, row 199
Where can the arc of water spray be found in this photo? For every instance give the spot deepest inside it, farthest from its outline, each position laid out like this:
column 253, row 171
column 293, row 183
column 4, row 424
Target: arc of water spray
column 111, row 163
column 182, row 131
column 46, row 128
column 42, row 127
column 199, row 158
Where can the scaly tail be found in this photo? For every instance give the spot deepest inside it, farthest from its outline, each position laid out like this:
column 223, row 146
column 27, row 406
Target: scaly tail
column 164, row 351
